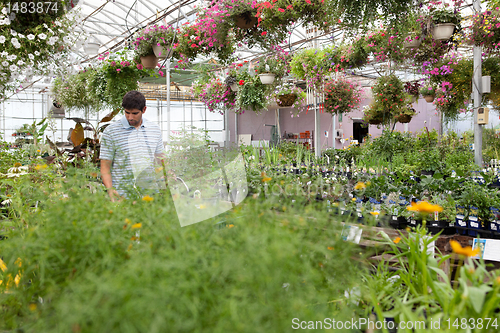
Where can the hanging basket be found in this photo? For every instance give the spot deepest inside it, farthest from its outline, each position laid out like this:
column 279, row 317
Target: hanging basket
column 413, row 44
column 162, row 52
column 403, row 119
column 429, row 98
column 234, row 86
column 149, row 62
column 286, row 100
column 245, row 20
column 267, row 78
column 375, row 121
column 443, row 31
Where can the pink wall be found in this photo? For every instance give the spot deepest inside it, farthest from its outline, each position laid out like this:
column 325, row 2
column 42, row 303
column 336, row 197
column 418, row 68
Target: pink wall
column 251, row 123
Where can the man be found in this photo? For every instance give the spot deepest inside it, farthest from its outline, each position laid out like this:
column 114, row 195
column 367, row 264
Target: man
column 129, row 149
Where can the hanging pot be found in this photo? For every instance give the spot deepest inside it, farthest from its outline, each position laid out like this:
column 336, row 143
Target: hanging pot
column 245, row 20
column 429, row 98
column 403, row 119
column 234, row 86
column 149, row 61
column 267, row 78
column 162, row 52
column 413, row 44
column 286, row 100
column 443, row 31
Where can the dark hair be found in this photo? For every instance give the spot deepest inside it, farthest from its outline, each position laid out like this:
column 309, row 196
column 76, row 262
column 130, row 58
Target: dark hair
column 134, row 100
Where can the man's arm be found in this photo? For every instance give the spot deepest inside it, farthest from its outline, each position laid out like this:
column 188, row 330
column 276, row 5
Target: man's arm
column 107, row 180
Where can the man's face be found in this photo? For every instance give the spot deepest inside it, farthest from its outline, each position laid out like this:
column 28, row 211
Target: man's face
column 134, row 116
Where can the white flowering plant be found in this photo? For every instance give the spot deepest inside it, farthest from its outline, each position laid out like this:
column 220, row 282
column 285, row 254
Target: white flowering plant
column 29, row 49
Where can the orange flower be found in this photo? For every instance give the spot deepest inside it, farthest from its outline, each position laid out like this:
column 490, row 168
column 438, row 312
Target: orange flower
column 397, row 240
column 424, row 207
column 330, row 248
column 466, row 251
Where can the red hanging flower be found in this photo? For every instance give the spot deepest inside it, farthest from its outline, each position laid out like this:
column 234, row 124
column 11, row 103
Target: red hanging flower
column 241, row 82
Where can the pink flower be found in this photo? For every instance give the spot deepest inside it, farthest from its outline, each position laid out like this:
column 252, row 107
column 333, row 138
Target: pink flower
column 139, row 66
column 161, row 73
column 264, row 33
column 118, row 69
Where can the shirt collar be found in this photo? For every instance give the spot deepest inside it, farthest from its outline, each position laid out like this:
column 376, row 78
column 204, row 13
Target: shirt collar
column 126, row 125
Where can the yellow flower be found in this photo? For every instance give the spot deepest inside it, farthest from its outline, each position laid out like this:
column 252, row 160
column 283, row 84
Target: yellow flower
column 110, row 211
column 353, row 199
column 230, row 226
column 397, row 240
column 41, row 167
column 466, row 251
column 3, row 267
column 32, row 307
column 359, row 186
column 159, row 169
column 38, row 150
column 147, row 198
column 266, row 179
column 497, row 280
column 374, row 213
column 137, row 226
column 330, row 248
column 128, row 221
column 424, row 207
column 202, row 206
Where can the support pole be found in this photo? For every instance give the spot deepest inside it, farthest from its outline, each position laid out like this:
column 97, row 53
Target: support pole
column 477, row 93
column 317, row 128
column 168, row 101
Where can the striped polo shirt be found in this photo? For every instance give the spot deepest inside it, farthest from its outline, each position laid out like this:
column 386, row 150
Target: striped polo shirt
column 132, row 152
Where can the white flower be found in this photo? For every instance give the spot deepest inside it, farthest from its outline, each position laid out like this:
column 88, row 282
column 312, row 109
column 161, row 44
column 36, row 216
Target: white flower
column 51, row 42
column 37, row 53
column 61, row 31
column 45, row 26
column 12, row 57
column 42, row 36
column 13, row 32
column 31, row 56
column 5, row 63
column 13, row 67
column 2, row 39
column 6, row 21
column 4, row 11
column 2, row 22
column 67, row 39
column 16, row 45
column 58, row 23
column 14, row 40
column 30, row 36
column 8, row 201
column 20, row 63
column 4, row 54
column 12, row 16
column 21, row 36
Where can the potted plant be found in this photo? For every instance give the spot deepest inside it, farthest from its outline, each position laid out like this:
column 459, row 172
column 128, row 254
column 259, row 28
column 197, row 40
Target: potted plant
column 486, row 30
column 214, row 93
column 373, row 114
column 143, row 45
column 236, row 76
column 289, row 95
column 388, row 95
column 164, row 40
column 405, row 114
column 428, row 92
column 252, row 94
column 341, row 96
column 445, row 23
column 271, row 67
column 412, row 89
